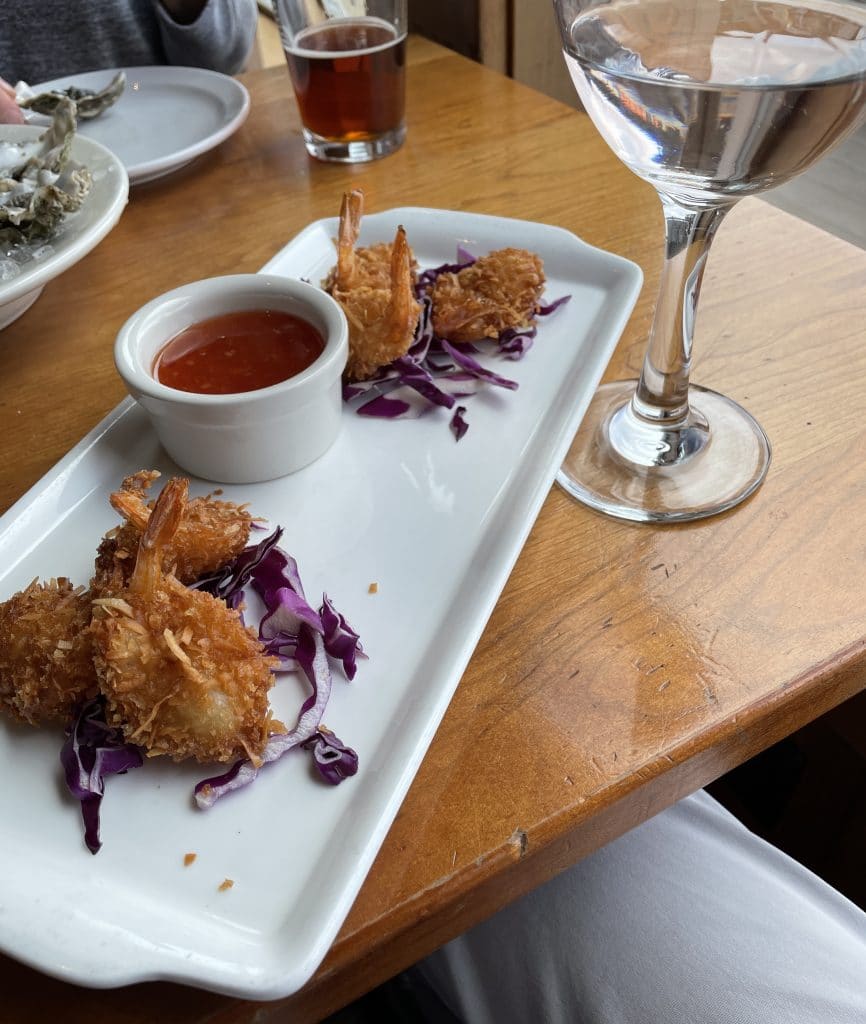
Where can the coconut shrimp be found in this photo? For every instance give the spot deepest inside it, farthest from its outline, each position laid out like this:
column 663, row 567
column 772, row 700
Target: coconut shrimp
column 497, row 292
column 180, row 672
column 210, row 535
column 375, row 287
column 46, row 656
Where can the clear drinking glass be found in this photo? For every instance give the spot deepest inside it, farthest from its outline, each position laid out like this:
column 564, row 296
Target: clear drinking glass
column 709, row 101
column 347, row 62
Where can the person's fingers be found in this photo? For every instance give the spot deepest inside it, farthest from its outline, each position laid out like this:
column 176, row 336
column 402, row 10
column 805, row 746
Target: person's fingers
column 10, row 112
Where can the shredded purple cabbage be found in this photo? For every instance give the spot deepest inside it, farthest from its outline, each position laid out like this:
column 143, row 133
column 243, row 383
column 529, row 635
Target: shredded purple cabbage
column 458, row 422
column 92, row 750
column 332, row 759
column 436, row 372
column 384, row 408
column 341, row 641
column 228, row 583
column 301, row 637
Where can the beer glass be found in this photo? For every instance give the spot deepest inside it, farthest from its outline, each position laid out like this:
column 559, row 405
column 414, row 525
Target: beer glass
column 347, row 62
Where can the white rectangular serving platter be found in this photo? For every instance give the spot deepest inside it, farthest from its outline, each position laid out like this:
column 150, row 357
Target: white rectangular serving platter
column 437, row 524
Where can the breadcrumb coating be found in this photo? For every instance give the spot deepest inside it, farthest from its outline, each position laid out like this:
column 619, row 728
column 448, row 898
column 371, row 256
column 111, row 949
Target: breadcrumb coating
column 211, row 534
column 180, row 672
column 496, row 292
column 46, row 662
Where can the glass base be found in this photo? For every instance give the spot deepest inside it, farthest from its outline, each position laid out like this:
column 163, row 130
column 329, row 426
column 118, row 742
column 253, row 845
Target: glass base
column 714, row 462
column 358, row 151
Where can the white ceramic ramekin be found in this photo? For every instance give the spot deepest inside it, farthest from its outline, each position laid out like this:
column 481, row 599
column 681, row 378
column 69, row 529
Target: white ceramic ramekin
column 249, row 437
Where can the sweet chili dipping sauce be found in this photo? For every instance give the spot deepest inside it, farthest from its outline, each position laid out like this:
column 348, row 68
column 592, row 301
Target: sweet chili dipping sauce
column 238, row 352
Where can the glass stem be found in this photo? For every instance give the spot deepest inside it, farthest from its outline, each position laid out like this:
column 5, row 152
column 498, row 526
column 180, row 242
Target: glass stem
column 662, row 395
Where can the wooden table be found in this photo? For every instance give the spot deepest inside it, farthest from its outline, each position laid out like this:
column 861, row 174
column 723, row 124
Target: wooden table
column 649, row 661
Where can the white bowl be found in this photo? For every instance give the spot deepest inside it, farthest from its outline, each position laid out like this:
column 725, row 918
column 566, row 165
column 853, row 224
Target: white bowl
column 77, row 233
column 248, row 437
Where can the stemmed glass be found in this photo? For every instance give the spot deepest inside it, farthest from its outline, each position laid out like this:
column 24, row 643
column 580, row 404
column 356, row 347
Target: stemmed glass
column 709, row 101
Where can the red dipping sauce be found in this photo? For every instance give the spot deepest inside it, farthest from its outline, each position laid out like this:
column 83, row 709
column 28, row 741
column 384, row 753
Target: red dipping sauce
column 238, row 352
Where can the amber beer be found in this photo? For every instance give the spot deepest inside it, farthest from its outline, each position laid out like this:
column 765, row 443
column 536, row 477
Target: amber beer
column 348, row 77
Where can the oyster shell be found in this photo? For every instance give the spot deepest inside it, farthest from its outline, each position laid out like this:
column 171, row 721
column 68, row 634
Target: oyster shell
column 88, row 102
column 39, row 182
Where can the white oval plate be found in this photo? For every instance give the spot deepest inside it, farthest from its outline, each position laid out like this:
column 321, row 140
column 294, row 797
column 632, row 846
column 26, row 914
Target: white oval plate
column 165, row 117
column 78, row 232
column 436, row 524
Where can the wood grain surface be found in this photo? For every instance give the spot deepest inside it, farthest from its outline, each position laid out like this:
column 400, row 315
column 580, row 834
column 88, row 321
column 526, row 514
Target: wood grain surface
column 625, row 665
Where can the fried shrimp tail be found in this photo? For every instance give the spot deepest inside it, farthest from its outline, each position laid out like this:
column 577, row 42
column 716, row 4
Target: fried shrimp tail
column 347, row 238
column 375, row 285
column 163, row 524
column 181, row 674
column 46, row 657
column 131, row 500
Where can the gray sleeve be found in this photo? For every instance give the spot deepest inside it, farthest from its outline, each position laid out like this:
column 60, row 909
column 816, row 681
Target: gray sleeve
column 220, row 38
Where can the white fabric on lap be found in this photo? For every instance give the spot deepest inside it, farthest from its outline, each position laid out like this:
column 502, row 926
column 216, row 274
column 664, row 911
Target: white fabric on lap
column 687, row 919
